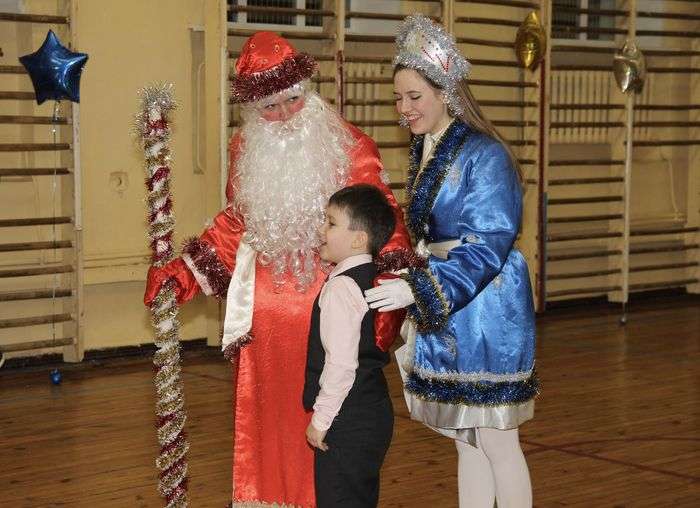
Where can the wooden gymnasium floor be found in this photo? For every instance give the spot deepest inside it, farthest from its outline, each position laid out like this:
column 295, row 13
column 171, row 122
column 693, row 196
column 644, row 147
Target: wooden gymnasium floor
column 617, row 424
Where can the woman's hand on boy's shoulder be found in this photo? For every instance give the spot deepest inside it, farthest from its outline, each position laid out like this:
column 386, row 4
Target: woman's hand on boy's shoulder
column 315, row 437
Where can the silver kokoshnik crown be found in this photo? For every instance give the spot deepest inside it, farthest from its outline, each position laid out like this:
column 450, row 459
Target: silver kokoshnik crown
column 424, row 45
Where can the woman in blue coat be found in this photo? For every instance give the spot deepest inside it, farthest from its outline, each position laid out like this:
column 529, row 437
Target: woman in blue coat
column 468, row 362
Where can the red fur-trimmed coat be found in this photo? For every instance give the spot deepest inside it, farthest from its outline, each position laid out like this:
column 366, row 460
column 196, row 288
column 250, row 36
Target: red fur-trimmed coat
column 272, row 462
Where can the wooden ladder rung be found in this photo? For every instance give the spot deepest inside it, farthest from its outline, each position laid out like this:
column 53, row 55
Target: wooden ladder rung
column 39, row 294
column 581, row 67
column 669, row 15
column 33, row 171
column 515, row 123
column 35, row 320
column 583, row 235
column 583, row 125
column 594, row 12
column 281, row 10
column 587, row 162
column 493, row 63
column 558, row 107
column 584, row 218
column 666, row 124
column 369, row 102
column 581, row 275
column 382, row 15
column 484, row 42
column 663, row 231
column 36, row 344
column 582, row 291
column 669, row 266
column 12, row 69
column 28, row 119
column 570, row 254
column 506, row 3
column 575, row 201
column 389, row 39
column 662, row 285
column 368, row 59
column 667, row 33
column 656, row 247
column 17, row 96
column 567, row 48
column 567, row 29
column 666, row 107
column 33, row 18
column 30, row 272
column 33, row 147
column 586, row 181
column 670, row 52
column 368, row 79
column 393, row 144
column 668, row 142
column 488, row 21
column 673, row 70
column 374, row 123
column 16, row 247
column 39, row 221
column 234, row 32
column 508, row 104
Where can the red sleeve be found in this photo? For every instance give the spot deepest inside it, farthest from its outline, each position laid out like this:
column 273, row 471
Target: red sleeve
column 211, row 257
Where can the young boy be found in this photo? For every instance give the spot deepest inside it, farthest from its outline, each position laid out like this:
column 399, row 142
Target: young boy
column 353, row 419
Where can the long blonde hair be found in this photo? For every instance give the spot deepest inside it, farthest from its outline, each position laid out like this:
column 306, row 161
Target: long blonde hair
column 473, row 116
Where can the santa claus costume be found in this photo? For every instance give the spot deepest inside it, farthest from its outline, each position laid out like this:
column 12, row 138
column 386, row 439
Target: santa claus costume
column 260, row 253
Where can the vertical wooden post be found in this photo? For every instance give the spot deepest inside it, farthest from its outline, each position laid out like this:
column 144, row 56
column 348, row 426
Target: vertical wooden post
column 543, row 161
column 216, row 114
column 693, row 206
column 448, row 15
column 76, row 352
column 340, row 56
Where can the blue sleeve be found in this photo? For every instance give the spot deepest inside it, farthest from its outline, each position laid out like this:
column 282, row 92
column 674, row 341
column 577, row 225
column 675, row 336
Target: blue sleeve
column 489, row 222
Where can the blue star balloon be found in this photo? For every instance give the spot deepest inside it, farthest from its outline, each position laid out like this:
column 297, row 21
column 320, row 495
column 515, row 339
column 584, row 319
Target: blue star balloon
column 55, row 70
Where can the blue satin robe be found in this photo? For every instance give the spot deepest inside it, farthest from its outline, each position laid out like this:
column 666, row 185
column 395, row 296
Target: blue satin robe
column 474, row 311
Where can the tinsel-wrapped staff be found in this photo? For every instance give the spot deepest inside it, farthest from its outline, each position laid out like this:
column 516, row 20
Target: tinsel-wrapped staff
column 153, row 127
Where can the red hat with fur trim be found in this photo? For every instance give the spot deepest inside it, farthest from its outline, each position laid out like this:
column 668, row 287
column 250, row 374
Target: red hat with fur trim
column 268, row 64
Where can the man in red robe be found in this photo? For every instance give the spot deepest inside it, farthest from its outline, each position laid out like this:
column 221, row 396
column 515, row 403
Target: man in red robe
column 292, row 152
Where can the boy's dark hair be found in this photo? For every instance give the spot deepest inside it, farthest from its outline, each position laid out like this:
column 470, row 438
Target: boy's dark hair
column 368, row 211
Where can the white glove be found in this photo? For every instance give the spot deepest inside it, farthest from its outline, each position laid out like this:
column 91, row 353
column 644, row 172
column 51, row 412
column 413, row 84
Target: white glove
column 391, row 294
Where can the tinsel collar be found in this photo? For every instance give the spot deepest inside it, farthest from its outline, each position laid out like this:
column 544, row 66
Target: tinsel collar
column 423, row 185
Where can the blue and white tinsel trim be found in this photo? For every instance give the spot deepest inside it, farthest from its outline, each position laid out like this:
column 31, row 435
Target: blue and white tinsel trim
column 474, row 393
column 431, row 310
column 423, row 186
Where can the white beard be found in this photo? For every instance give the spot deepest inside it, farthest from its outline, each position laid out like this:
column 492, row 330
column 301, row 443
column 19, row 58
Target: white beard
column 285, row 175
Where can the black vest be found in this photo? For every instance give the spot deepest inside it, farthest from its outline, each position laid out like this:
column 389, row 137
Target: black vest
column 370, row 385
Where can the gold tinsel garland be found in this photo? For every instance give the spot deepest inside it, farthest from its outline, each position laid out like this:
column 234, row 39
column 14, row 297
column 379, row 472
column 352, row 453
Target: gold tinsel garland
column 153, row 127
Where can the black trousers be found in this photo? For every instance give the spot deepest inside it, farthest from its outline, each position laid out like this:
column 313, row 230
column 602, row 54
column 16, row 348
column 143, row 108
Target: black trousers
column 347, row 475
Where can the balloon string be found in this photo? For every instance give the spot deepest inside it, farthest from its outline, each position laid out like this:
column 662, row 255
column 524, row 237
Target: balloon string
column 54, row 122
